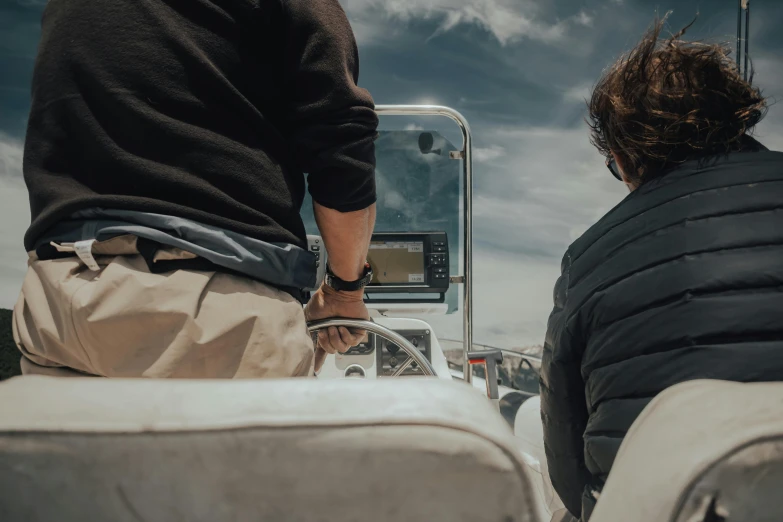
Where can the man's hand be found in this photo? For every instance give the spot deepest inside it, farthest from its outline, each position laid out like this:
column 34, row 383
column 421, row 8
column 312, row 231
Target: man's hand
column 346, row 237
column 327, row 303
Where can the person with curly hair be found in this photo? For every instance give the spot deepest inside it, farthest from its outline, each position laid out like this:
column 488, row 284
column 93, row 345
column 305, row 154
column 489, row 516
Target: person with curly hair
column 681, row 280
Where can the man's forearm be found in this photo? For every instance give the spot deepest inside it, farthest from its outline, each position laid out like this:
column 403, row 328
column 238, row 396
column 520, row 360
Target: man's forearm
column 346, row 236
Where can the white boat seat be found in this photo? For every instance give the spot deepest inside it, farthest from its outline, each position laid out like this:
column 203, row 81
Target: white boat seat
column 701, row 451
column 75, row 450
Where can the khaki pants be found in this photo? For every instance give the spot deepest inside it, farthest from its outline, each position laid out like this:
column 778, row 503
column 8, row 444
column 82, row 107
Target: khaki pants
column 124, row 321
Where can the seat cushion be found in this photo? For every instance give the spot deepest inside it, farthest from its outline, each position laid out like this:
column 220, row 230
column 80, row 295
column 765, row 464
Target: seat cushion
column 300, row 450
column 700, row 451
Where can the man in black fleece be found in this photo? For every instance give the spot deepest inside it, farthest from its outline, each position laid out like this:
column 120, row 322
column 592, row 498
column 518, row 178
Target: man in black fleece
column 165, row 158
column 682, row 279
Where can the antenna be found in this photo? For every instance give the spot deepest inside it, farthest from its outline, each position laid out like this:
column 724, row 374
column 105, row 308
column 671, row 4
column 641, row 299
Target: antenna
column 743, row 7
column 739, row 35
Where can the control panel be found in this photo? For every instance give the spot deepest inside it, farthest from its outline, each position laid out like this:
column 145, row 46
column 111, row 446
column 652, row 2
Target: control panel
column 315, row 245
column 389, row 357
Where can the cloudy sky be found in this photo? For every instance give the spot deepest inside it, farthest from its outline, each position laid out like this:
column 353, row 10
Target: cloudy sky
column 518, row 69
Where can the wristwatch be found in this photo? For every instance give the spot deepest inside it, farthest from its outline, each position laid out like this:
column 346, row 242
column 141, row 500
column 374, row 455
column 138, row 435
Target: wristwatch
column 335, row 283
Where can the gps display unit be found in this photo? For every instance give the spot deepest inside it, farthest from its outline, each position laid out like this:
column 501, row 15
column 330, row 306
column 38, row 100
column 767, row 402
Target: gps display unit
column 409, row 262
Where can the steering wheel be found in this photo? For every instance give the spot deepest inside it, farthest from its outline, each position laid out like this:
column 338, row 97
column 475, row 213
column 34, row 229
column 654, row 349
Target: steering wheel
column 414, row 355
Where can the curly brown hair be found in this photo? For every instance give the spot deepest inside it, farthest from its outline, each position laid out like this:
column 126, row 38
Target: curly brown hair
column 667, row 102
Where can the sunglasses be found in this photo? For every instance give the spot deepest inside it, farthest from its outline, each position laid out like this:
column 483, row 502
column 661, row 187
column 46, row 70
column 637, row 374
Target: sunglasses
column 611, row 164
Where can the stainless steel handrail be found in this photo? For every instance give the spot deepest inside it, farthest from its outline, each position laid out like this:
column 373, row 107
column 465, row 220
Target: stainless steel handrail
column 467, row 164
column 505, row 351
column 384, row 332
column 512, row 353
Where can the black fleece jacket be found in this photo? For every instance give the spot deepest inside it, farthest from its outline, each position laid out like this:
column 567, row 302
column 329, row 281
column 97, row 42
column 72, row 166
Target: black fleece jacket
column 682, row 280
column 203, row 109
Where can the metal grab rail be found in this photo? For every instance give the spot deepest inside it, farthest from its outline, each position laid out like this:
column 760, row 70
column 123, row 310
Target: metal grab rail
column 505, row 351
column 467, row 164
column 377, row 329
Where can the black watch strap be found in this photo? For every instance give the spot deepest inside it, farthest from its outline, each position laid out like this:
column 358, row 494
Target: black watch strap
column 338, row 284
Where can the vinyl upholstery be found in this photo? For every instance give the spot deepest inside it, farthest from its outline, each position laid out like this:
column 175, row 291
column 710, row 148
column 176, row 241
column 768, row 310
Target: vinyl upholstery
column 301, row 450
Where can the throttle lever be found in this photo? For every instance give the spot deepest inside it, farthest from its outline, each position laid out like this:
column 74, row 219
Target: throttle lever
column 490, row 359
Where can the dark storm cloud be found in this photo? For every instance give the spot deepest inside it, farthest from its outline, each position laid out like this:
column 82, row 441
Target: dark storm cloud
column 535, row 85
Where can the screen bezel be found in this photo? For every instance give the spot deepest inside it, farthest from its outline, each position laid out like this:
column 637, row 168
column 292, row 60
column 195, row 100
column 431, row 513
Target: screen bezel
column 430, row 285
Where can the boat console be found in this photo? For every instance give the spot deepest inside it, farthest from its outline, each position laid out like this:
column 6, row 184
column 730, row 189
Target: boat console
column 409, row 269
column 421, row 257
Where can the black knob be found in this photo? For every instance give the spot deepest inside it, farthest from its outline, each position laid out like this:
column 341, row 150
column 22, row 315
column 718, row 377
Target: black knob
column 393, row 362
column 392, row 348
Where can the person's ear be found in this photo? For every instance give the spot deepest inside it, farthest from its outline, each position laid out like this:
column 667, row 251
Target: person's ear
column 621, row 166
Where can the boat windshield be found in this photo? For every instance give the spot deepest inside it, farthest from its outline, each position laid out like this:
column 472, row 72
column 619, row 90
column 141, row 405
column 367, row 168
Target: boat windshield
column 419, row 190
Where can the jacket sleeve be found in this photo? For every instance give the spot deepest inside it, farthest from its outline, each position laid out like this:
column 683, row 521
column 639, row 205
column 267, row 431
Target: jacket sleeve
column 563, row 405
column 330, row 121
